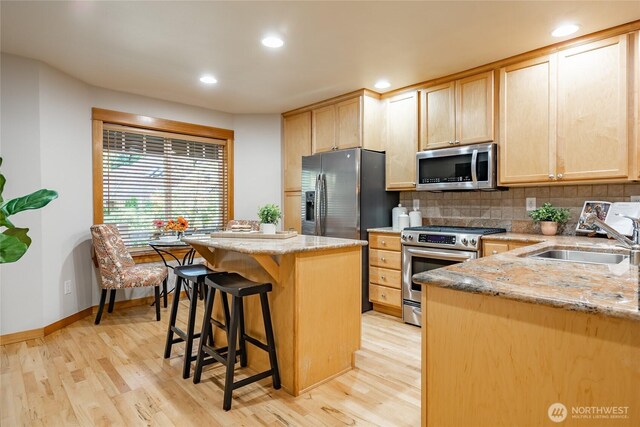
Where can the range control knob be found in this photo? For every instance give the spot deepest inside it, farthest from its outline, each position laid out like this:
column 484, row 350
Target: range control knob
column 464, row 241
column 403, row 237
column 410, row 237
column 473, row 242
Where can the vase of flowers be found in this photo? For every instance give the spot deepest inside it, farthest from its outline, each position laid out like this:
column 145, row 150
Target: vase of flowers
column 158, row 225
column 549, row 218
column 179, row 226
column 269, row 216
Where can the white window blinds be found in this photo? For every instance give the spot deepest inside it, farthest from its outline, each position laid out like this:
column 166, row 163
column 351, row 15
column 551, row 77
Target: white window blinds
column 149, row 175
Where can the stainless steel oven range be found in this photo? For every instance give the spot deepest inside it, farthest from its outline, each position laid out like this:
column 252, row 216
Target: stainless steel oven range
column 430, row 247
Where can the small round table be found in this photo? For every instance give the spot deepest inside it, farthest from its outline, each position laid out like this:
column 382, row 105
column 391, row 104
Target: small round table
column 162, row 249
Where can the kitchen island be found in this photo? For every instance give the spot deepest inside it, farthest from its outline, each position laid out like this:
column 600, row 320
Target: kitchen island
column 507, row 336
column 315, row 301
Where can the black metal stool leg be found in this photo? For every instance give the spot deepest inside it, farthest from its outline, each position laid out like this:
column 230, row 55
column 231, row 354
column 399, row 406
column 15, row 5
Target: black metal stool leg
column 172, row 318
column 156, row 291
column 103, row 298
column 188, row 347
column 206, row 331
column 243, row 344
column 112, row 300
column 231, row 355
column 273, row 359
column 164, row 290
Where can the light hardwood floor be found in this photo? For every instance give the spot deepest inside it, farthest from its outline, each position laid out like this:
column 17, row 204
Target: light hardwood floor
column 114, row 374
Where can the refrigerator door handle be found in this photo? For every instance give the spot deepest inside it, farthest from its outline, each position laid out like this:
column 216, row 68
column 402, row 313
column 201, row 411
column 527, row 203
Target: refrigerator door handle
column 323, row 204
column 316, row 207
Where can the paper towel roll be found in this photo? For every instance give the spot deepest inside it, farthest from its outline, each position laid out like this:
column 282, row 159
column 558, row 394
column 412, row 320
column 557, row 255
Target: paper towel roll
column 415, row 218
column 403, row 221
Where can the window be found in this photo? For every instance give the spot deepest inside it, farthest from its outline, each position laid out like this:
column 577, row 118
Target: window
column 148, row 174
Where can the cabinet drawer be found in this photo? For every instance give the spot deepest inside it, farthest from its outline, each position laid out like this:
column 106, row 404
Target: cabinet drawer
column 385, row 277
column 383, row 295
column 491, row 248
column 385, row 241
column 387, row 259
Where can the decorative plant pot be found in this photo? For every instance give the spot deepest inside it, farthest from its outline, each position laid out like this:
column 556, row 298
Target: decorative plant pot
column 549, row 228
column 268, row 228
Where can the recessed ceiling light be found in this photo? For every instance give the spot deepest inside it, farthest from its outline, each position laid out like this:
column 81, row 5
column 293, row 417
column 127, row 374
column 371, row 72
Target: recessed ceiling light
column 382, row 84
column 208, row 79
column 272, row 42
column 565, row 30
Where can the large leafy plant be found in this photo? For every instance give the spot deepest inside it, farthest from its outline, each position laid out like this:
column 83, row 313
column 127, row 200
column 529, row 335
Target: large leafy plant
column 547, row 212
column 14, row 241
column 269, row 214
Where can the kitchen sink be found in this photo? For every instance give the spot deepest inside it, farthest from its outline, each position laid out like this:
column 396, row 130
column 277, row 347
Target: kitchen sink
column 584, row 257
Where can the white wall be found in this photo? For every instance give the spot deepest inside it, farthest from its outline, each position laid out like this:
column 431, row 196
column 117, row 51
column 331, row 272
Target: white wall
column 21, row 283
column 46, row 142
column 257, row 162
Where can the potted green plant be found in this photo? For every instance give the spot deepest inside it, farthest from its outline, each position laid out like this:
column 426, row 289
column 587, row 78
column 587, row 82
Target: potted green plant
column 549, row 217
column 269, row 216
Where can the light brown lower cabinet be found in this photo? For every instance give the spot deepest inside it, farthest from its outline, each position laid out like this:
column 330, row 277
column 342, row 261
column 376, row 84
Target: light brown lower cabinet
column 292, row 211
column 493, row 247
column 385, row 273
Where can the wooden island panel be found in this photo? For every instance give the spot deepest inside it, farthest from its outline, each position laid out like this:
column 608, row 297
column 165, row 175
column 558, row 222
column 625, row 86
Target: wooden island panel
column 315, row 311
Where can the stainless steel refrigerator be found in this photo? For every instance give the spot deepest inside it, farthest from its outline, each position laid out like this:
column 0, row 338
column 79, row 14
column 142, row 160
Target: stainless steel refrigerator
column 343, row 194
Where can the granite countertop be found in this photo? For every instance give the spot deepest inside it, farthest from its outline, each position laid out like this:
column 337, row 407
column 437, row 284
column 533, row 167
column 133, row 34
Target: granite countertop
column 610, row 290
column 388, row 230
column 300, row 243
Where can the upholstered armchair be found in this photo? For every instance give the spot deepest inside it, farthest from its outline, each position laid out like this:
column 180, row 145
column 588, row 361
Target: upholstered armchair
column 118, row 270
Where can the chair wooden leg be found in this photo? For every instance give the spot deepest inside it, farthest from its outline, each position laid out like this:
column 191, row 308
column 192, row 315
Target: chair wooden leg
column 157, row 292
column 231, row 354
column 172, row 318
column 103, row 298
column 207, row 330
column 164, row 290
column 243, row 345
column 188, row 345
column 273, row 359
column 112, row 300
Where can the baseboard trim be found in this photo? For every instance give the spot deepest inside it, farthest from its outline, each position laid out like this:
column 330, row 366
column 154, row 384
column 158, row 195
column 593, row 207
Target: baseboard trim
column 21, row 336
column 67, row 321
column 55, row 326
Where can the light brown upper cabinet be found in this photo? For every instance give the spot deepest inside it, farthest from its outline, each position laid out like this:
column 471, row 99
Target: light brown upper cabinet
column 528, row 121
column 351, row 123
column 458, row 112
column 402, row 141
column 297, row 143
column 593, row 114
column 565, row 117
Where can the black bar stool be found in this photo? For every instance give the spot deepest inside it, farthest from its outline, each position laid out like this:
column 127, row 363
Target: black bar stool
column 196, row 274
column 238, row 287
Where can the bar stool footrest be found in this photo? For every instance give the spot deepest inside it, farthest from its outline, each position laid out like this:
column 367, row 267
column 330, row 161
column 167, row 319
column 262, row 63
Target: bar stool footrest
column 252, row 379
column 256, row 342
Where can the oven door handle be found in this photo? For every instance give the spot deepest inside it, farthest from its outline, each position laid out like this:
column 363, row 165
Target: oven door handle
column 445, row 256
column 474, row 168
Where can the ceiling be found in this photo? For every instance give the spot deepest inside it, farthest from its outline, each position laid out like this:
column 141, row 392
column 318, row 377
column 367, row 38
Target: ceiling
column 160, row 49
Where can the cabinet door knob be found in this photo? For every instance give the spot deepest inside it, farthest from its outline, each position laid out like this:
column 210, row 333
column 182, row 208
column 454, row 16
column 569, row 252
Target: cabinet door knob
column 560, row 176
column 457, row 142
column 382, row 259
column 383, row 278
column 551, row 176
column 493, row 252
column 383, row 242
column 450, row 142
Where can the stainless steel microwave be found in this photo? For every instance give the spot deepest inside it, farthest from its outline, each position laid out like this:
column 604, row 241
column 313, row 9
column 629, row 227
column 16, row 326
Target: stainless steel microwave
column 468, row 167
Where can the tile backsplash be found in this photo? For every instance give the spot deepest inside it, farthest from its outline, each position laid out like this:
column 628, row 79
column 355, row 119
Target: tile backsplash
column 506, row 208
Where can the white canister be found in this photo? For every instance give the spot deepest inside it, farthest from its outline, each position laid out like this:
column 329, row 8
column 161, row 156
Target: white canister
column 395, row 212
column 415, row 218
column 403, row 221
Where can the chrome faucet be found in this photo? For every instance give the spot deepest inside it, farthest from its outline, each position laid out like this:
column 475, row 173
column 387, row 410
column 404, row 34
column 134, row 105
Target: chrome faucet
column 632, row 244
